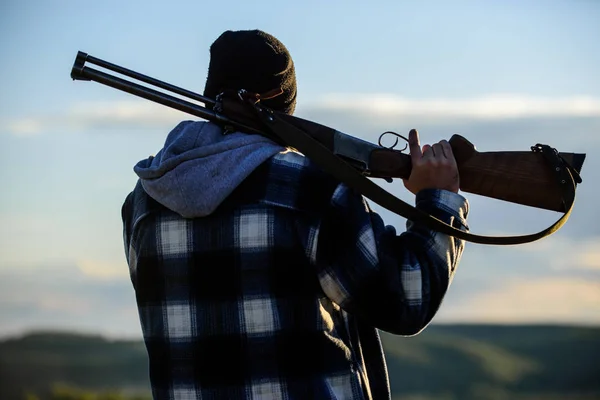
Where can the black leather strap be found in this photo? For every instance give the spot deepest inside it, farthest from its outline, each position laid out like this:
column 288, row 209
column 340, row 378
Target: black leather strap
column 344, row 172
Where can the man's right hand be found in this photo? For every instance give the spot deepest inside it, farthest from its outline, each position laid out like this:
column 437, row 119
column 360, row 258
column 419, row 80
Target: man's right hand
column 433, row 167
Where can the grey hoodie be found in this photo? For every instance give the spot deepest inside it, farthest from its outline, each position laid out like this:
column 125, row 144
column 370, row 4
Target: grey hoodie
column 199, row 166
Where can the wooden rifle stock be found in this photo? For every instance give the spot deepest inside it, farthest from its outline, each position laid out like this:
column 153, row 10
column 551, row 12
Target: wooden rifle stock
column 522, row 177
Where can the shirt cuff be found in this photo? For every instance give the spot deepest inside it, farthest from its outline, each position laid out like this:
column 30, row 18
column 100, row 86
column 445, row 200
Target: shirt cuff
column 450, row 202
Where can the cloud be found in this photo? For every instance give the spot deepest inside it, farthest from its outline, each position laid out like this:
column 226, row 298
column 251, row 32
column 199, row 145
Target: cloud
column 124, row 113
column 542, row 300
column 590, row 257
column 145, row 114
column 555, row 280
column 561, row 257
column 25, row 126
column 98, row 115
column 494, row 106
column 56, row 239
column 567, row 254
column 103, row 269
column 62, row 296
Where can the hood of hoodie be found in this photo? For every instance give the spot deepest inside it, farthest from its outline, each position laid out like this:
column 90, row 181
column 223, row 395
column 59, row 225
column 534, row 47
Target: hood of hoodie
column 199, row 166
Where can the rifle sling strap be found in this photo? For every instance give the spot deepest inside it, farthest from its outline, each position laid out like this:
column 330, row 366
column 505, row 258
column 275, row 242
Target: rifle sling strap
column 344, row 172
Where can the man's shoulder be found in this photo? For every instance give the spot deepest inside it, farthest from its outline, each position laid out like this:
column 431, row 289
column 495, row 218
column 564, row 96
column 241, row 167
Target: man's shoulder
column 289, row 180
column 291, row 161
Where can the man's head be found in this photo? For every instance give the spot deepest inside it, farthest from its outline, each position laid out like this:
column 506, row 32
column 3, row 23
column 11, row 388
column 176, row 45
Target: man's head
column 255, row 61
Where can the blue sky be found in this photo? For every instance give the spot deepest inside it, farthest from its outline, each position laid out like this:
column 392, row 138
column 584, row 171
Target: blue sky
column 505, row 74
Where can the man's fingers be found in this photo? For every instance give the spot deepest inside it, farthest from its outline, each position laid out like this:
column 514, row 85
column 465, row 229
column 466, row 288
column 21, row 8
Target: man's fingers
column 438, row 151
column 414, row 145
column 447, row 149
column 428, row 151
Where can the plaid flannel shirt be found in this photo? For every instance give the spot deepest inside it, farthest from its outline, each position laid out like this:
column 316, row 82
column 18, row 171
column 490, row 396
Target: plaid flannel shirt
column 280, row 292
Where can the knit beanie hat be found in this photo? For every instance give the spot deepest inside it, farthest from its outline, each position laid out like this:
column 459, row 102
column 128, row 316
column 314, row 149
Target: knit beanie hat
column 255, row 61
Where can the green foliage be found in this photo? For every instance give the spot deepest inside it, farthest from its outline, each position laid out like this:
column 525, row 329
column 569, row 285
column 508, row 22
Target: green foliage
column 65, row 392
column 443, row 363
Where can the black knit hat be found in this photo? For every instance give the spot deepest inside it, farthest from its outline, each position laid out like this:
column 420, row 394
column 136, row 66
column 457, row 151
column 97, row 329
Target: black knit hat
column 255, row 61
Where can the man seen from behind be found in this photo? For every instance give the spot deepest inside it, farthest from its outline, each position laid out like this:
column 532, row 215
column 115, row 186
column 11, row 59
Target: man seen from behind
column 259, row 276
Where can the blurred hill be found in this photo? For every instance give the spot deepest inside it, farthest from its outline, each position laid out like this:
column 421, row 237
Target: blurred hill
column 36, row 362
column 443, row 362
column 495, row 362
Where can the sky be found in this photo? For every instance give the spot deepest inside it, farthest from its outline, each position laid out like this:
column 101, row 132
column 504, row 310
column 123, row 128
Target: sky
column 506, row 75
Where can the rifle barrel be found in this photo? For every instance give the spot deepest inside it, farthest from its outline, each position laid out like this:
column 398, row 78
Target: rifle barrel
column 81, row 72
column 84, row 57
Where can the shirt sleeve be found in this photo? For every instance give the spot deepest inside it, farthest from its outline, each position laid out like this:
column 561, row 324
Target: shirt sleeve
column 394, row 282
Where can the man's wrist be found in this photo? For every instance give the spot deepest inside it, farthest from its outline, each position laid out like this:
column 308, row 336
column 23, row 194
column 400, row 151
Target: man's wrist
column 450, row 202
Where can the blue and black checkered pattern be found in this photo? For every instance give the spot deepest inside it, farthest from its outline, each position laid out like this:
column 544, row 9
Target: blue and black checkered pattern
column 279, row 293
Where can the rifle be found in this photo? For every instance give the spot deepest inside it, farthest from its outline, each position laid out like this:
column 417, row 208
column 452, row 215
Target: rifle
column 541, row 178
